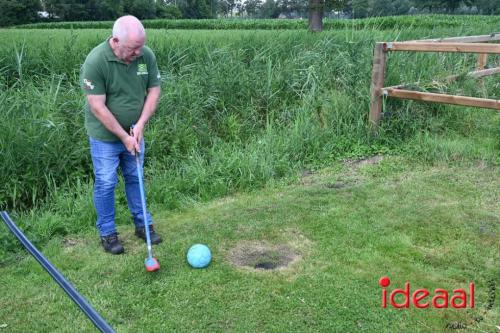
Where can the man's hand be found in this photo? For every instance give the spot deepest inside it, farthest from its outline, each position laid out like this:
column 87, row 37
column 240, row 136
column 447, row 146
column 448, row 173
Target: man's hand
column 133, row 141
column 137, row 132
column 131, row 144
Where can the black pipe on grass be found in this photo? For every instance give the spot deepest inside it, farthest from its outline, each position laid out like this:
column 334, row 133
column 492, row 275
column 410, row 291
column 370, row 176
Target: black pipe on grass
column 92, row 314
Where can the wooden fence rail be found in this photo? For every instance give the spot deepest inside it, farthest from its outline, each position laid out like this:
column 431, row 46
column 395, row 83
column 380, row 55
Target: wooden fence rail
column 469, row 44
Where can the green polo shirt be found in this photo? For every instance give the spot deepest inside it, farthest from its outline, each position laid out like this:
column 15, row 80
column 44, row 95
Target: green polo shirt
column 125, row 87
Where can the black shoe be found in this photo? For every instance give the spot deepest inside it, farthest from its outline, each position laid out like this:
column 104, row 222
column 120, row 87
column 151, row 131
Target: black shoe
column 155, row 238
column 112, row 244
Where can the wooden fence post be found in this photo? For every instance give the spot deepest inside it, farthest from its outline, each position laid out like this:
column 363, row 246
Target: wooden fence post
column 378, row 75
column 482, row 59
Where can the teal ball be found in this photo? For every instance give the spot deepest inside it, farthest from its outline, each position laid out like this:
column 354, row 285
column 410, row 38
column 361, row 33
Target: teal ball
column 199, row 256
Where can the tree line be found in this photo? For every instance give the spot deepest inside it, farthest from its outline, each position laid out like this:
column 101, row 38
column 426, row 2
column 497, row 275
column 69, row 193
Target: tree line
column 15, row 12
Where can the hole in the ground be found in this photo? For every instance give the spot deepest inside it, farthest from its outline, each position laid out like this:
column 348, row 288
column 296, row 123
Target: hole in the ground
column 266, row 265
column 262, row 256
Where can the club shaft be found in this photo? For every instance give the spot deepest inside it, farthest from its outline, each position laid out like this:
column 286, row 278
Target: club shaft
column 143, row 201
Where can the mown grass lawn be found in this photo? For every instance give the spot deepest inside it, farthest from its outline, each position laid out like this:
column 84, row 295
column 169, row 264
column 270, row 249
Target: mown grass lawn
column 434, row 226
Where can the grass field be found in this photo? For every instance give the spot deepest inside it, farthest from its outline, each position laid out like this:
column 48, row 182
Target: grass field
column 436, row 227
column 378, row 23
column 260, row 148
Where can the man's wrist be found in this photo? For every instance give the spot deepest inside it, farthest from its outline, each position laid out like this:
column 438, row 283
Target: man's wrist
column 140, row 123
column 122, row 135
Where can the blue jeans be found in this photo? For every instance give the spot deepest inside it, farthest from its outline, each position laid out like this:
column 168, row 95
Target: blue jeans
column 106, row 157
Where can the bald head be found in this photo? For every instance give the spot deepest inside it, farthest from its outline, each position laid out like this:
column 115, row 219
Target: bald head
column 128, row 27
column 128, row 38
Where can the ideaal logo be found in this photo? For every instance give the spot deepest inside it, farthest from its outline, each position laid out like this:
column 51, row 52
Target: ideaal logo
column 422, row 298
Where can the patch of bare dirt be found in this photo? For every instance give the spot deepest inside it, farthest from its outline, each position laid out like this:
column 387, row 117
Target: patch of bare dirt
column 307, row 178
column 337, row 185
column 71, row 242
column 261, row 255
column 366, row 161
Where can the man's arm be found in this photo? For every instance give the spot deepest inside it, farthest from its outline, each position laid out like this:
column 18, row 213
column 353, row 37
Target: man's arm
column 98, row 107
column 147, row 111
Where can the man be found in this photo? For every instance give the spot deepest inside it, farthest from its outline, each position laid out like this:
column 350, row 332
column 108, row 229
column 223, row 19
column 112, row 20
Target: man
column 121, row 82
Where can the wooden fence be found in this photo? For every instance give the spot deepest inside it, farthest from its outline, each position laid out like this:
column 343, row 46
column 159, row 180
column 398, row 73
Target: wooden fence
column 472, row 44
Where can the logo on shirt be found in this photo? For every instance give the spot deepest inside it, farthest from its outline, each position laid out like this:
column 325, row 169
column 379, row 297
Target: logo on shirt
column 88, row 84
column 142, row 69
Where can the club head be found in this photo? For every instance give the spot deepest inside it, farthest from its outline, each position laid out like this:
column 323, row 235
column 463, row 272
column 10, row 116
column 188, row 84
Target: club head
column 151, row 264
